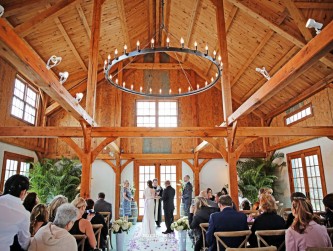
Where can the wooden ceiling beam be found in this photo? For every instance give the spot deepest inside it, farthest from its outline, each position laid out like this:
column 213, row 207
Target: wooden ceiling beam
column 50, row 84
column 151, row 11
column 167, row 7
column 13, row 8
column 158, row 19
column 56, row 10
column 304, row 59
column 195, row 13
column 148, row 132
column 256, row 15
column 157, row 66
column 122, row 16
column 317, row 87
column 314, row 5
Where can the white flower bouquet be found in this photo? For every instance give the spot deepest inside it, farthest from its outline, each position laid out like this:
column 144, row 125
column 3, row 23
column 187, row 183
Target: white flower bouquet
column 120, row 226
column 181, row 224
column 181, row 184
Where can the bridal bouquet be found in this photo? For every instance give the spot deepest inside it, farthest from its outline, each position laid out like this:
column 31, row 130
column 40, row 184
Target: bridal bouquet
column 182, row 185
column 181, row 224
column 121, row 225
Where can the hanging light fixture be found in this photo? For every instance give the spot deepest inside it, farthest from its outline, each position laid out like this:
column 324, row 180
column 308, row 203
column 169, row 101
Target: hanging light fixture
column 151, row 48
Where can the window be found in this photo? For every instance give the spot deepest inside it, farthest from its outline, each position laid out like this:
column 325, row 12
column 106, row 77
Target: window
column 24, row 105
column 299, row 114
column 306, row 175
column 14, row 164
column 169, row 172
column 156, row 114
column 147, row 172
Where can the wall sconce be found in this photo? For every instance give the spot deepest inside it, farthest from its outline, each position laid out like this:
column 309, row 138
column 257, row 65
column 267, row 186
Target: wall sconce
column 79, row 97
column 263, row 72
column 63, row 76
column 53, row 61
column 2, row 10
column 311, row 23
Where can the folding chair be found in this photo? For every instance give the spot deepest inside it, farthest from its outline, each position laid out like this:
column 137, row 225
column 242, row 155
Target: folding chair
column 271, row 248
column 261, row 233
column 106, row 216
column 80, row 239
column 204, row 227
column 97, row 230
column 245, row 233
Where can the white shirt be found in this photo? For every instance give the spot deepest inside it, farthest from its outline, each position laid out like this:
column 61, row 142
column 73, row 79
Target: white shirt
column 14, row 219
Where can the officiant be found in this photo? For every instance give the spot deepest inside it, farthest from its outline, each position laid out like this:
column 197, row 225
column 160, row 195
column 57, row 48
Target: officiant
column 158, row 208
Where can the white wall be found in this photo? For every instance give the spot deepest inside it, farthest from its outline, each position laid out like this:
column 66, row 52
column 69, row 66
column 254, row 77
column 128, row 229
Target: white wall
column 326, row 146
column 14, row 149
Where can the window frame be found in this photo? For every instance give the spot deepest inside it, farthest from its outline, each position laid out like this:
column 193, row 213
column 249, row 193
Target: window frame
column 304, row 107
column 30, row 86
column 157, row 116
column 302, row 154
column 13, row 156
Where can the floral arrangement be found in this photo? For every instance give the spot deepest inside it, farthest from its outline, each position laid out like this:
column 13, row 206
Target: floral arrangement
column 182, row 185
column 120, row 226
column 181, row 224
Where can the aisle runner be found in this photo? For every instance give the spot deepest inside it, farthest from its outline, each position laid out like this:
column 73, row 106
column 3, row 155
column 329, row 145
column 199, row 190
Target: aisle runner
column 165, row 242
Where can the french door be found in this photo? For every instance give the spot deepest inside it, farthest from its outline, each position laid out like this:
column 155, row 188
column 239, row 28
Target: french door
column 162, row 170
column 306, row 175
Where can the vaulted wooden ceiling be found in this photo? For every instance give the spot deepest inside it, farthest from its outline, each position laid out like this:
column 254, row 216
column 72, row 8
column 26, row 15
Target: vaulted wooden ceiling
column 259, row 34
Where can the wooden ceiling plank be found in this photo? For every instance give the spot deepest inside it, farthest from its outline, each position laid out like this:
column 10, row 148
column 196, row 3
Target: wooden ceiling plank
column 158, row 19
column 14, row 8
column 122, row 16
column 50, row 84
column 314, row 5
column 305, row 58
column 93, row 58
column 194, row 17
column 56, row 10
column 299, row 19
column 70, row 43
column 317, row 87
column 167, row 7
column 157, row 66
column 151, row 8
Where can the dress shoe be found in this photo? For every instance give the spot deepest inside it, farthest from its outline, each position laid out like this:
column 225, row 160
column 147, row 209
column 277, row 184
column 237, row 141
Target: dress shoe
column 158, row 225
column 165, row 232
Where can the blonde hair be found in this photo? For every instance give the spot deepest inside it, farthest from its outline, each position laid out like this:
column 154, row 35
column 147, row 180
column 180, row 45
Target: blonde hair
column 38, row 214
column 267, row 203
column 55, row 203
column 79, row 202
column 200, row 202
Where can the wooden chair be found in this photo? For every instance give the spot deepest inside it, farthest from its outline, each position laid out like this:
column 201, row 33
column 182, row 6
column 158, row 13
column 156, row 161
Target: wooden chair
column 107, row 216
column 330, row 233
column 261, row 233
column 284, row 212
column 80, row 239
column 204, row 227
column 245, row 234
column 97, row 230
column 271, row 248
column 319, row 249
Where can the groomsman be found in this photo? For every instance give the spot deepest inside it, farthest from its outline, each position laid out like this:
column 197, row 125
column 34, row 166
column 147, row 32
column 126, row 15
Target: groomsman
column 168, row 197
column 187, row 195
column 158, row 208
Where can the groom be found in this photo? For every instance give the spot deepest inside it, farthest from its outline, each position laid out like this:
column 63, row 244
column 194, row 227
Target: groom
column 168, row 205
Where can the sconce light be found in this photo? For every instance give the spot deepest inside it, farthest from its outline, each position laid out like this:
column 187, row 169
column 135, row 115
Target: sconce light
column 79, row 97
column 263, row 72
column 53, row 61
column 311, row 23
column 63, row 77
column 2, row 10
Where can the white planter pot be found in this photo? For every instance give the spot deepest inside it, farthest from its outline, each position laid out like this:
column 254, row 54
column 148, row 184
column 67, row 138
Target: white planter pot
column 120, row 241
column 182, row 240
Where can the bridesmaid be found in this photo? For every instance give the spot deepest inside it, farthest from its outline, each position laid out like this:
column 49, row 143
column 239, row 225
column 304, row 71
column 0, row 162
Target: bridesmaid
column 127, row 199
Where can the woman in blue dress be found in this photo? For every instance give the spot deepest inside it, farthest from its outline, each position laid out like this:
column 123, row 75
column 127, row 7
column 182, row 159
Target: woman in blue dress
column 127, row 199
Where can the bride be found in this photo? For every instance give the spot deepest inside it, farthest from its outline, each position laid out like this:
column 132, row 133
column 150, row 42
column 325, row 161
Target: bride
column 148, row 222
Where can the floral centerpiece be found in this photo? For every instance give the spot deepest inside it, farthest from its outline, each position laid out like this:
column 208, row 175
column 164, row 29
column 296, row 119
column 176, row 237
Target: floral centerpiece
column 120, row 226
column 181, row 224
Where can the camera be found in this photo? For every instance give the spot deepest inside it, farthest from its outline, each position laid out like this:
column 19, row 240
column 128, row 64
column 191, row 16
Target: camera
column 90, row 211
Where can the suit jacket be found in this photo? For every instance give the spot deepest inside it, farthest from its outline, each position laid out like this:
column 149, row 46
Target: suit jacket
column 103, row 206
column 168, row 198
column 187, row 194
column 227, row 220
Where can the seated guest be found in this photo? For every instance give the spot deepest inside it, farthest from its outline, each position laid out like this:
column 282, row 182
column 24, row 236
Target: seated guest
column 101, row 205
column 328, row 203
column 209, row 202
column 39, row 217
column 14, row 218
column 54, row 236
column 291, row 217
column 210, row 194
column 246, row 205
column 200, row 213
column 268, row 220
column 96, row 218
column 55, row 203
column 30, row 201
column 83, row 226
column 304, row 231
column 226, row 220
column 217, row 197
column 224, row 191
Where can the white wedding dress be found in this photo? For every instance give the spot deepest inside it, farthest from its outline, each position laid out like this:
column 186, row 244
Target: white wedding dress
column 148, row 222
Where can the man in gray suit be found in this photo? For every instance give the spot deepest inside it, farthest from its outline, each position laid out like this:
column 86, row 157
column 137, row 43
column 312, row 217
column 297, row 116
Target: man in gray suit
column 103, row 206
column 187, row 195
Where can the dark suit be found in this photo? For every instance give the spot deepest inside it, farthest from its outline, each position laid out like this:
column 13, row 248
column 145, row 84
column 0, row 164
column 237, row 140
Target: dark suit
column 103, row 206
column 227, row 220
column 168, row 206
column 187, row 197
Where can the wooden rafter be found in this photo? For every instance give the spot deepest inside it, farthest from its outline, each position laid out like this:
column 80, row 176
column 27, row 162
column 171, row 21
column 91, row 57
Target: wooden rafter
column 151, row 11
column 158, row 19
column 122, row 16
column 157, row 66
column 56, row 10
column 50, row 82
column 305, row 58
column 100, row 147
column 314, row 5
column 167, row 7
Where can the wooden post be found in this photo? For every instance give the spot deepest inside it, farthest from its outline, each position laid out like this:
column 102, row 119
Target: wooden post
column 233, row 183
column 118, row 182
column 86, row 175
column 196, row 173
